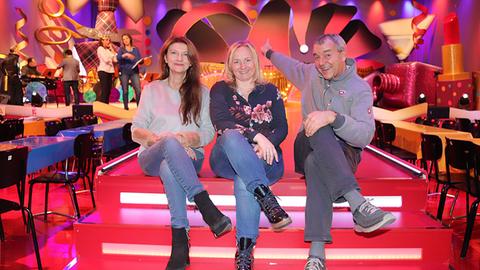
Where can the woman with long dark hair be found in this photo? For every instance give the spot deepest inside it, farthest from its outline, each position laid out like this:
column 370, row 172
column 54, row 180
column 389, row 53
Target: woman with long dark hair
column 127, row 56
column 172, row 125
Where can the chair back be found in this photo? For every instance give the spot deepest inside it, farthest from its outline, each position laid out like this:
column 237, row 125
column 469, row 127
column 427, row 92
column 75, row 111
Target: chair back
column 83, row 146
column 431, row 147
column 127, row 133
column 3, row 132
column 13, row 166
column 12, row 129
column 475, row 190
column 89, row 120
column 53, row 127
column 389, row 133
column 463, row 124
column 378, row 136
column 433, row 122
column 459, row 155
column 420, row 120
column 475, row 130
column 70, row 122
column 449, row 124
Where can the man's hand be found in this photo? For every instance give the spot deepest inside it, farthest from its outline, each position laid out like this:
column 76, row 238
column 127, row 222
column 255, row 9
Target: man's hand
column 265, row 149
column 266, row 47
column 316, row 120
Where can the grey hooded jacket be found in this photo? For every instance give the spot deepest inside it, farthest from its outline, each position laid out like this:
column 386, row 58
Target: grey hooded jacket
column 348, row 95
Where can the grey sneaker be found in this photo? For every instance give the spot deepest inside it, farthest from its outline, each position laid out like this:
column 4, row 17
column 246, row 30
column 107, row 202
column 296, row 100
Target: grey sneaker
column 368, row 218
column 314, row 263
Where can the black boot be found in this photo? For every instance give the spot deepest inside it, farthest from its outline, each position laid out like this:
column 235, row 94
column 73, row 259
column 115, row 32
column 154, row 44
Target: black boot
column 274, row 212
column 179, row 258
column 244, row 256
column 218, row 222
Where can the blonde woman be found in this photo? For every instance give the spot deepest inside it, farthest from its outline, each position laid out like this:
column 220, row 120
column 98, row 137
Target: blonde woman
column 249, row 116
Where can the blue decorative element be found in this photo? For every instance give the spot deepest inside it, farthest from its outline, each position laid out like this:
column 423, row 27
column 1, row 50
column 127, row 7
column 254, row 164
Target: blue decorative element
column 36, row 87
column 147, row 32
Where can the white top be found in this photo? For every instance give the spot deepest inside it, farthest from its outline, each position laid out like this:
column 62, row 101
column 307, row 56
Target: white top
column 158, row 111
column 106, row 58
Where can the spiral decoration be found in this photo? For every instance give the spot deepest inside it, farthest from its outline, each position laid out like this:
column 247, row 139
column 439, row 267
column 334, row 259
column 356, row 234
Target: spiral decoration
column 18, row 25
column 418, row 32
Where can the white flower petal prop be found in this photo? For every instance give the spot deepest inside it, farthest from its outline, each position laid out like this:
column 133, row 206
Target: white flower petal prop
column 399, row 34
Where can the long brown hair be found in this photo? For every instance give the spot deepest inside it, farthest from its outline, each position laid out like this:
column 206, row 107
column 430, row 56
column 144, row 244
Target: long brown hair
column 190, row 91
column 130, row 38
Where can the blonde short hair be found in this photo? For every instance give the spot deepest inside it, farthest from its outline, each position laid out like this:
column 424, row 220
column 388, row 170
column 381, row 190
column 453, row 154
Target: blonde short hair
column 228, row 75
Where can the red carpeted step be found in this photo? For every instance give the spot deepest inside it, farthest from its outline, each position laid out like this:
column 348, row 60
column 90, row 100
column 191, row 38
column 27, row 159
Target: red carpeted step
column 114, row 192
column 387, row 184
column 144, row 234
column 259, row 264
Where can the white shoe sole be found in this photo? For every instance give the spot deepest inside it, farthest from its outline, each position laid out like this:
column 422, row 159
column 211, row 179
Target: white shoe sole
column 280, row 226
column 389, row 218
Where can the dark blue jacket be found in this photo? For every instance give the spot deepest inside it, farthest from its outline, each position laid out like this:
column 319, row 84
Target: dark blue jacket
column 264, row 112
column 124, row 64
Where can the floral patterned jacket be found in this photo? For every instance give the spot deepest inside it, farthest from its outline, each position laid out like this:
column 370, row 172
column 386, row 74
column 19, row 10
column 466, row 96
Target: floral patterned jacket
column 263, row 112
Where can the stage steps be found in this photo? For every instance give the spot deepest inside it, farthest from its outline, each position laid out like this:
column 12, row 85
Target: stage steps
column 144, row 235
column 126, row 235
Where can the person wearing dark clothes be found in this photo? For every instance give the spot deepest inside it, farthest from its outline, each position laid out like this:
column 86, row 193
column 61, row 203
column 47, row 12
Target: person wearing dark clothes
column 14, row 85
column 127, row 56
column 338, row 123
column 71, row 69
column 249, row 117
column 30, row 70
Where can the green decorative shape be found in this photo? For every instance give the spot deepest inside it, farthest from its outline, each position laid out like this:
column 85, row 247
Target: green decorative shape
column 89, row 96
column 130, row 93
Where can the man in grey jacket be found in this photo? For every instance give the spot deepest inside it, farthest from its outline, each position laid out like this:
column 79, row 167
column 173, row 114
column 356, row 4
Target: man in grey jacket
column 337, row 124
column 71, row 71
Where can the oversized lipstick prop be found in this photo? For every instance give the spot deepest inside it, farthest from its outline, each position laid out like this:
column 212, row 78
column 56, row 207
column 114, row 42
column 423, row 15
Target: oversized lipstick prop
column 454, row 82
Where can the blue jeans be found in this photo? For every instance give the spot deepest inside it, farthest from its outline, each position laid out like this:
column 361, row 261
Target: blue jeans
column 134, row 78
column 233, row 157
column 168, row 160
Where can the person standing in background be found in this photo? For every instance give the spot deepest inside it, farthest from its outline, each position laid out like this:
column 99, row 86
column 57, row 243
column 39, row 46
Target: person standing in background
column 127, row 57
column 71, row 69
column 14, row 85
column 107, row 56
column 30, row 70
